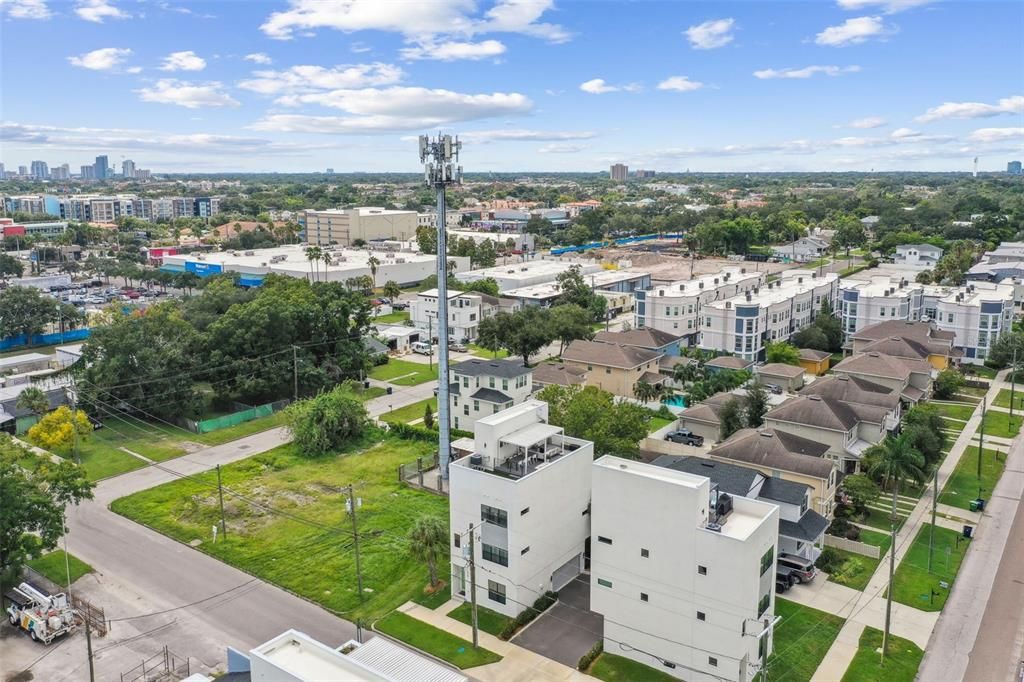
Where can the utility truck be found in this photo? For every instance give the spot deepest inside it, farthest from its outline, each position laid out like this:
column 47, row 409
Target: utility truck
column 43, row 616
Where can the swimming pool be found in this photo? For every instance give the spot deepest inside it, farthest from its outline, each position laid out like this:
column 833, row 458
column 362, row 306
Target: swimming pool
column 674, row 401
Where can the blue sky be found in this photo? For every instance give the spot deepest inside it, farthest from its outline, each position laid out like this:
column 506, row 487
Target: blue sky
column 533, row 85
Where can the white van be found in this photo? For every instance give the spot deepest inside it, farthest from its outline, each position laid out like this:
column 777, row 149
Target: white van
column 423, row 348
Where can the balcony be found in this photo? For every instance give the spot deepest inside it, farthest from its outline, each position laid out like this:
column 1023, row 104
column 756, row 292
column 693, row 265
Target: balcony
column 525, row 451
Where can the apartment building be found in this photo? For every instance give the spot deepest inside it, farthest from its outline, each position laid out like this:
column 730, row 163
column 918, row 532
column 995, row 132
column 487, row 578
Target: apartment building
column 694, row 597
column 465, row 310
column 745, row 324
column 612, row 367
column 676, row 308
column 344, row 226
column 108, row 208
column 525, row 493
column 480, row 388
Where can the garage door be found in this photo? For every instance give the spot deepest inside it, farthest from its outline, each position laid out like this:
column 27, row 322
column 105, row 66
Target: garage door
column 565, row 573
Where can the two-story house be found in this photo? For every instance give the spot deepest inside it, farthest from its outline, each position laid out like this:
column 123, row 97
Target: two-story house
column 612, row 367
column 702, row 418
column 918, row 256
column 480, row 388
column 906, row 339
column 465, row 310
column 910, row 376
column 647, row 338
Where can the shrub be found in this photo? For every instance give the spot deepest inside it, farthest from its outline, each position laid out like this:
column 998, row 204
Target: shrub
column 852, row 533
column 829, row 561
column 411, row 432
column 587, row 659
column 526, row 616
column 322, row 424
column 839, row 526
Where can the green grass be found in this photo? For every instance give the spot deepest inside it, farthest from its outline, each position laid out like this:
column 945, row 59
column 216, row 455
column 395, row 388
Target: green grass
column 913, row 582
column 658, row 423
column 962, row 486
column 901, row 663
column 102, row 462
column 411, row 412
column 487, row 620
column 877, row 518
column 481, row 352
column 974, row 392
column 316, row 562
column 397, row 317
column 52, row 566
column 435, row 641
column 857, row 569
column 221, row 436
column 404, row 373
column 983, row 371
column 802, row 639
column 961, row 412
column 1003, row 399
column 434, row 599
column 612, row 668
column 1001, row 425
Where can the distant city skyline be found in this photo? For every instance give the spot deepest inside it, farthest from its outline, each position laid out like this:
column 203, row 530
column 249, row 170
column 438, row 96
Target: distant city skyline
column 298, row 86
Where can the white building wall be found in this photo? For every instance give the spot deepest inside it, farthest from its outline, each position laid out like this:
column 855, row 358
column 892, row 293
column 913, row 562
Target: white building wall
column 465, row 411
column 464, row 315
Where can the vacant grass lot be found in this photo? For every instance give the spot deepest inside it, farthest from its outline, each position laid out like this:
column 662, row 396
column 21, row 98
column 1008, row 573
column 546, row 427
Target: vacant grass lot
column 53, row 567
column 612, row 668
column 963, row 485
column 802, row 639
column 482, row 352
column 900, row 665
column 1001, row 425
column 411, row 413
column 961, row 412
column 404, row 373
column 435, row 641
column 396, row 317
column 914, row 584
column 1003, row 399
column 857, row 569
column 487, row 620
column 316, row 562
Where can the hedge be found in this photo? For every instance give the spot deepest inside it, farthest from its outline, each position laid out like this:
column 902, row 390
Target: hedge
column 587, row 659
column 411, row 432
column 527, row 615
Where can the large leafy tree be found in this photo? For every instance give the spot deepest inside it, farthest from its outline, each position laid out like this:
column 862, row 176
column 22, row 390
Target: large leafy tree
column 730, row 418
column 780, row 351
column 24, row 310
column 593, row 414
column 568, row 323
column 521, row 333
column 322, row 424
column 755, row 404
column 57, row 431
column 574, row 289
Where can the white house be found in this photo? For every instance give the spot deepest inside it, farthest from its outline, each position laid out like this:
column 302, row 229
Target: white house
column 918, row 256
column 683, row 573
column 465, row 310
column 524, row 494
column 481, row 387
column 802, row 250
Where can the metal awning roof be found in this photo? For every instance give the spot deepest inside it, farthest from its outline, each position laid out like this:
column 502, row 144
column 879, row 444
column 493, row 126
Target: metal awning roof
column 397, row 663
column 531, row 435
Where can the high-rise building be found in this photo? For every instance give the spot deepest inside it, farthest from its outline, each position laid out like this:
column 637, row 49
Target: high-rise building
column 102, row 167
column 142, row 174
column 87, row 172
column 1013, row 168
column 2, row 171
column 619, row 172
column 23, row 171
column 645, row 174
column 61, row 172
column 128, row 168
column 40, row 171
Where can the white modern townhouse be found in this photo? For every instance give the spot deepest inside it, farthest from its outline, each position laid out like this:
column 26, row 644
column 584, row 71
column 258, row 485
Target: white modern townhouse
column 480, row 388
column 683, row 573
column 524, row 494
column 917, row 256
column 465, row 310
column 745, row 324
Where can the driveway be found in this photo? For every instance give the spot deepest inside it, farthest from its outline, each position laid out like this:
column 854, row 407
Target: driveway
column 568, row 629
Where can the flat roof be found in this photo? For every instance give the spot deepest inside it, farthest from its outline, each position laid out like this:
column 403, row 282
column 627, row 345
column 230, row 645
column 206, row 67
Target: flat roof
column 692, row 287
column 526, row 270
column 27, row 357
column 306, row 658
column 293, row 257
column 596, row 279
column 782, row 290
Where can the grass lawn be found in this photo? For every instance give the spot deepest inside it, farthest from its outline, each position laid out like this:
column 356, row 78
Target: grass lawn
column 484, row 353
column 100, row 461
column 877, row 518
column 489, row 621
column 435, row 641
column 397, row 317
column 316, row 562
column 434, row 599
column 974, row 392
column 1000, row 424
column 404, row 373
column 913, row 582
column 411, row 412
column 962, row 486
column 53, row 567
column 612, row 668
column 984, row 372
column 802, row 639
column 961, row 412
column 237, row 431
column 1003, row 399
column 900, row 665
column 658, row 423
column 856, row 570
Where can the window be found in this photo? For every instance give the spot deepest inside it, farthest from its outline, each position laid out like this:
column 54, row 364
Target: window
column 504, row 384
column 712, row 661
column 643, row 596
column 465, row 409
column 524, row 550
column 702, row 570
column 607, row 370
column 766, row 560
column 457, row 539
column 499, row 517
column 476, row 405
column 495, row 591
column 490, row 382
column 495, row 554
column 601, row 538
column 763, row 605
column 525, row 511
column 645, row 553
column 604, row 583
column 701, row 616
column 456, row 422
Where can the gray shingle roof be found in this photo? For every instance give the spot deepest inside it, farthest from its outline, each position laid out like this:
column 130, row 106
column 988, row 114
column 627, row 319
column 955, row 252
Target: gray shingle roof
column 560, row 375
column 780, row 490
column 729, row 362
column 881, row 365
column 730, row 478
column 491, row 396
column 853, row 390
column 779, row 369
column 808, row 529
column 644, row 337
column 813, row 355
column 505, row 369
column 774, row 449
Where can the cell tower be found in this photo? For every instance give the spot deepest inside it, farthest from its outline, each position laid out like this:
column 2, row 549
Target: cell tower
column 437, row 156
column 975, row 174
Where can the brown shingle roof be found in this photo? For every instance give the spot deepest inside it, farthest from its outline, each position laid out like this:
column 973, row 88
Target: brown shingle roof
column 560, row 375
column 775, row 449
column 644, row 337
column 899, row 347
column 608, row 354
column 853, row 390
column 813, row 355
column 779, row 369
column 880, row 365
column 815, row 411
column 729, row 362
column 708, row 409
column 937, row 341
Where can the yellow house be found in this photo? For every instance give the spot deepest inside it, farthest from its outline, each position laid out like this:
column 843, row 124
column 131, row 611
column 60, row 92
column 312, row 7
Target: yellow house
column 814, row 362
column 612, row 367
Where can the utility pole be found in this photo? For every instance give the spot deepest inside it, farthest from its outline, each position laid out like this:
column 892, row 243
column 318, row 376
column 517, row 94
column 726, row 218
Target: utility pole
column 935, row 502
column 430, row 340
column 220, row 494
column 981, row 441
column 1013, row 381
column 355, row 539
column 440, row 158
column 295, row 373
column 472, row 583
column 892, row 572
column 88, row 648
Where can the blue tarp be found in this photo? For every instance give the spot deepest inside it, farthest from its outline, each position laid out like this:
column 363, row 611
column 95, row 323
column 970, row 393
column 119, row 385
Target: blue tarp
column 71, row 336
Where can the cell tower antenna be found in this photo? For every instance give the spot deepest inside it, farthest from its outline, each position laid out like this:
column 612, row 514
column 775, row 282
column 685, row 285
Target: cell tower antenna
column 440, row 156
column 975, row 166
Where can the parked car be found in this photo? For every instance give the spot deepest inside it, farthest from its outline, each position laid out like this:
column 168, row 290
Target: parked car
column 801, row 569
column 423, row 348
column 399, row 305
column 457, row 346
column 773, row 388
column 783, row 581
column 686, row 437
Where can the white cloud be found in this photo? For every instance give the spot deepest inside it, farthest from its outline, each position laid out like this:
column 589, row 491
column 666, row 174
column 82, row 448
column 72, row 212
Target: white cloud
column 359, row 48
column 598, row 86
column 308, row 78
column 887, row 6
column 561, row 148
column 26, row 9
column 183, row 61
column 187, row 94
column 521, row 16
column 867, row 122
column 805, row 72
column 393, row 109
column 987, row 135
column 904, row 133
column 1007, row 105
column 853, row 32
column 454, row 50
column 258, row 58
column 103, row 59
column 98, row 10
column 680, row 84
column 520, row 135
column 710, row 34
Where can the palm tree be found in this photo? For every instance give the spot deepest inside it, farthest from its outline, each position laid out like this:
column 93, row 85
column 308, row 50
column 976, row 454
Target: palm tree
column 428, row 541
column 646, row 392
column 373, row 262
column 313, row 254
column 893, row 461
column 326, row 258
column 392, row 290
column 34, row 400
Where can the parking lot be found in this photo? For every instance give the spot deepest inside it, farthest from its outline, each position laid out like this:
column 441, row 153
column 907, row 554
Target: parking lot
column 568, row 629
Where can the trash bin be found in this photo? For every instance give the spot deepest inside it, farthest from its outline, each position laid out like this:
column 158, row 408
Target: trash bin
column 973, row 505
column 981, row 504
column 389, row 390
column 968, row 531
column 366, row 384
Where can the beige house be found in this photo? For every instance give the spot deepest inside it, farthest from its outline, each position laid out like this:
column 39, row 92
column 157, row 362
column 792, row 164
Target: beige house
column 612, row 367
column 904, row 339
column 560, row 374
column 789, row 377
column 854, row 390
column 911, row 377
column 702, row 418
